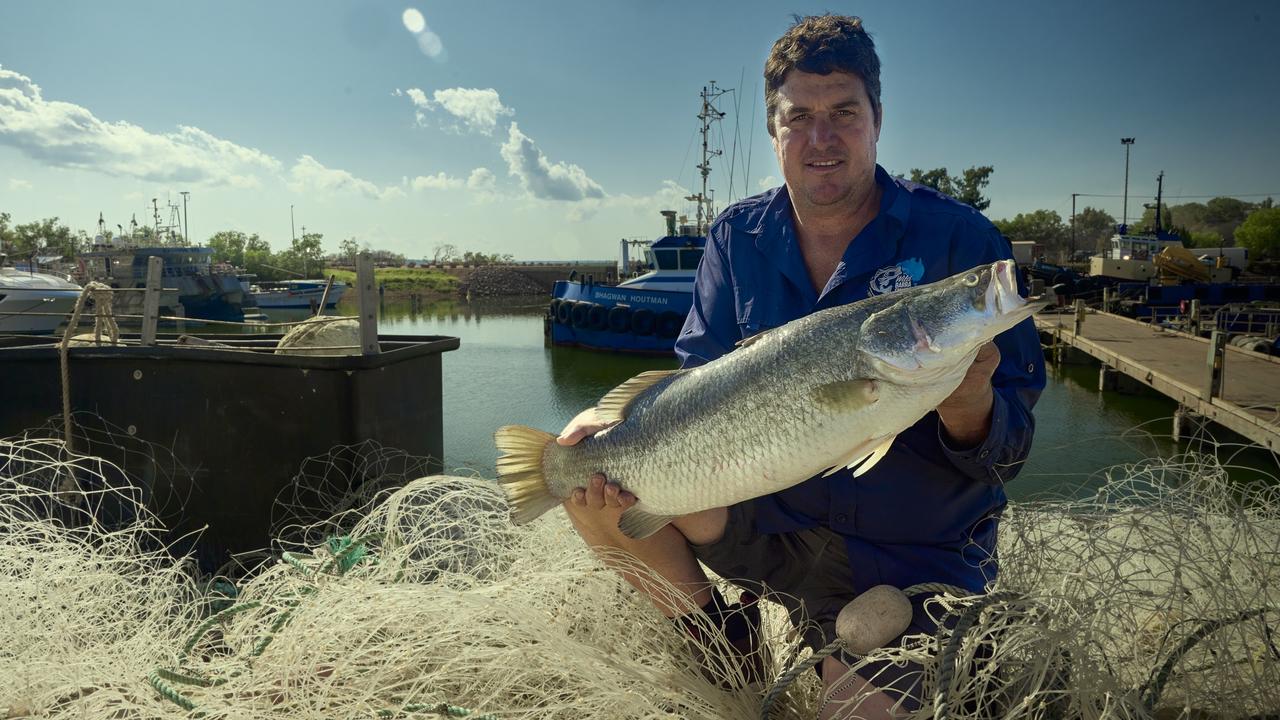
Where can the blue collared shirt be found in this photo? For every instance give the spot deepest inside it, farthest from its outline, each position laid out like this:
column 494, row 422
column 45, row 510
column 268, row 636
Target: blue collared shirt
column 926, row 512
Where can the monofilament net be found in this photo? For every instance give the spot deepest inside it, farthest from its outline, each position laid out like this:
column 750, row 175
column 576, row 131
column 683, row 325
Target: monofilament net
column 1153, row 598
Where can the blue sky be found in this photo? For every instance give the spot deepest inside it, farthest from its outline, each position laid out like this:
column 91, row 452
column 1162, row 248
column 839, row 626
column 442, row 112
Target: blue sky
column 551, row 129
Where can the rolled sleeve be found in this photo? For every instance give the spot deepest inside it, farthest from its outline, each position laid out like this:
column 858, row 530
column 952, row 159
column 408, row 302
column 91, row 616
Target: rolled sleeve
column 1017, row 383
column 711, row 328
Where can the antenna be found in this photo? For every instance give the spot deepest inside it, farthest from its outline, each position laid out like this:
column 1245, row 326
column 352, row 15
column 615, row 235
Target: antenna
column 708, row 114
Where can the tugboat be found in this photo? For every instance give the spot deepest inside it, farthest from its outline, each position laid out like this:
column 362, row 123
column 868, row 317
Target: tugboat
column 189, row 277
column 641, row 314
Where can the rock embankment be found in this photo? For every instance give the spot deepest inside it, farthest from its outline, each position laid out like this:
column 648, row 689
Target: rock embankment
column 497, row 281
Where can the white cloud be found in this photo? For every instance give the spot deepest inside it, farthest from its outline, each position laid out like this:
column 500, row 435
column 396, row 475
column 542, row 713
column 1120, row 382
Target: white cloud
column 308, row 175
column 16, row 184
column 439, row 181
column 474, row 109
column 768, row 182
column 542, row 178
column 65, row 135
column 482, row 179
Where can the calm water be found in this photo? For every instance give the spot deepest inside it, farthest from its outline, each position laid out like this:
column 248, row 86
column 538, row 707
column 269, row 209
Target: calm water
column 503, row 373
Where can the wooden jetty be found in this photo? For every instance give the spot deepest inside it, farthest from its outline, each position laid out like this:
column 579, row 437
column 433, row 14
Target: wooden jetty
column 1235, row 388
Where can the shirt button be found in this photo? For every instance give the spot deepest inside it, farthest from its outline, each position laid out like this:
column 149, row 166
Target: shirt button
column 1031, row 367
column 984, row 453
column 842, row 518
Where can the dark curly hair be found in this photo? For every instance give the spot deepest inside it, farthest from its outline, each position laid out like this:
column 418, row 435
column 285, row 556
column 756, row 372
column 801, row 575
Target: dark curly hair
column 822, row 44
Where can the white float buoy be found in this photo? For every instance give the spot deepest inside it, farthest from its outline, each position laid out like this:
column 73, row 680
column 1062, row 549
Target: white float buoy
column 873, row 619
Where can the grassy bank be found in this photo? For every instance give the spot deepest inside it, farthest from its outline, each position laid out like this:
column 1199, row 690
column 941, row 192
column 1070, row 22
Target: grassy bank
column 403, row 281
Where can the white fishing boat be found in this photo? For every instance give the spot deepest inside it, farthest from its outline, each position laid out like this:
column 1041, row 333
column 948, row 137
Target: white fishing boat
column 34, row 302
column 296, row 293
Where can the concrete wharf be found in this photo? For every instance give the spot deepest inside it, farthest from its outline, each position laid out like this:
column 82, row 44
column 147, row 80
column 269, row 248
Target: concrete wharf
column 1235, row 388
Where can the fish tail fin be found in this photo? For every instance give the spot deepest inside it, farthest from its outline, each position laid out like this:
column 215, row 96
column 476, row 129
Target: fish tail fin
column 520, row 471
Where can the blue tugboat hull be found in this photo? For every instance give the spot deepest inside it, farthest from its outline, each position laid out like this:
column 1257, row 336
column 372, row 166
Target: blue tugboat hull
column 616, row 318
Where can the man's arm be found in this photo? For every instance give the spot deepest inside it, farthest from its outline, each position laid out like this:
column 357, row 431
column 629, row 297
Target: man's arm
column 711, row 328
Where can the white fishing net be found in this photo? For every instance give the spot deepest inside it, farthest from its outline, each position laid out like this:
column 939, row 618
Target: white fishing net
column 1154, row 598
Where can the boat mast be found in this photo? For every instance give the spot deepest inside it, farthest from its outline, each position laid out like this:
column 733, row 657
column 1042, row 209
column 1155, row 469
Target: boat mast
column 708, row 114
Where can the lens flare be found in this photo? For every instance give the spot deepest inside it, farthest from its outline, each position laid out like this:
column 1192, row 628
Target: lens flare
column 413, row 20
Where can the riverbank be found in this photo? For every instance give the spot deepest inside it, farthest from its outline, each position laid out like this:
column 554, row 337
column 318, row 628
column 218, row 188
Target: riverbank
column 440, row 283
column 403, row 282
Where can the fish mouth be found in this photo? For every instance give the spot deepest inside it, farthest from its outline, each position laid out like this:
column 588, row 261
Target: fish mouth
column 1002, row 291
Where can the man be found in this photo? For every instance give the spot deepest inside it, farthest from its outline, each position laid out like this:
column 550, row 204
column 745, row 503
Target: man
column 839, row 230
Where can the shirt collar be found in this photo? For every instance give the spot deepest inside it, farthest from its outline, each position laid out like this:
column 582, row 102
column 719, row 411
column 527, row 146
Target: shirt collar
column 770, row 221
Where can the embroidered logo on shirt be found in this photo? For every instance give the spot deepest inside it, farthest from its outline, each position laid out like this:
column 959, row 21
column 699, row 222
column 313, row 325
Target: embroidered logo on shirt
column 896, row 277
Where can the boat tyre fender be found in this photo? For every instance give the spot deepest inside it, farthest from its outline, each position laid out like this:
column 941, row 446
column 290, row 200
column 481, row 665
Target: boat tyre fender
column 642, row 322
column 619, row 319
column 597, row 317
column 669, row 324
column 564, row 312
column 579, row 314
column 553, row 309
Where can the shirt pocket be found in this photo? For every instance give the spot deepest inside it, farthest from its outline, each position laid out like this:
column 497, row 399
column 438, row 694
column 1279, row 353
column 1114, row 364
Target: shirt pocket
column 756, row 313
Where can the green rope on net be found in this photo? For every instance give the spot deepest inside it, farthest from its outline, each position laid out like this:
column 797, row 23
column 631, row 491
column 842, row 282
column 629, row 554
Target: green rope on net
column 345, row 553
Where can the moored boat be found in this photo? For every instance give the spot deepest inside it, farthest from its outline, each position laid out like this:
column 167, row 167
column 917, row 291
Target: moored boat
column 642, row 314
column 33, row 302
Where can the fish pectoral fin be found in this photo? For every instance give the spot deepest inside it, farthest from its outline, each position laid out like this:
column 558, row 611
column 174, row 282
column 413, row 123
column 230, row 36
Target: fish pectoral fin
column 864, row 464
column 847, row 395
column 638, row 524
column 863, row 457
column 614, row 405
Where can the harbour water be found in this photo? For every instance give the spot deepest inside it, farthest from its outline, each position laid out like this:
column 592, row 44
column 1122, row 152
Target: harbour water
column 503, row 373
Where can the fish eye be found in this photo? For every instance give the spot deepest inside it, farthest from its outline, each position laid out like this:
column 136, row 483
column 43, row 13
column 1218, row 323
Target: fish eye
column 971, row 280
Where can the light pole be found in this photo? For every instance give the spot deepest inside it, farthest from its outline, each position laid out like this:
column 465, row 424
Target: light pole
column 1124, row 218
column 293, row 235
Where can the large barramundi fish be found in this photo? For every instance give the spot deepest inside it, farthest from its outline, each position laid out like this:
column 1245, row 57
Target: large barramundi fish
column 826, row 391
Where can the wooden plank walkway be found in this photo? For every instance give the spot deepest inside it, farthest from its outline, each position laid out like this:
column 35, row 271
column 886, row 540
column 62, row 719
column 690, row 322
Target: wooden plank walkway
column 1177, row 365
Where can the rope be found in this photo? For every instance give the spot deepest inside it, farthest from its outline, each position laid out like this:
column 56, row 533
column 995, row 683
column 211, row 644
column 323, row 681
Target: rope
column 101, row 297
column 345, row 553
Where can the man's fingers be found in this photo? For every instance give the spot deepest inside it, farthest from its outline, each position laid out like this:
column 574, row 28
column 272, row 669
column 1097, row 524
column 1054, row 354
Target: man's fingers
column 583, row 425
column 595, row 492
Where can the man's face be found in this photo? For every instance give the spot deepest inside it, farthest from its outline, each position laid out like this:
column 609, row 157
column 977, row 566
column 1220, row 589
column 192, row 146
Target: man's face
column 825, row 133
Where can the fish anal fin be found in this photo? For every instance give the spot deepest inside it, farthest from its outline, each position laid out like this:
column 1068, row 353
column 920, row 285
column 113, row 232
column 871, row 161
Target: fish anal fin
column 613, row 406
column 848, row 395
column 638, row 524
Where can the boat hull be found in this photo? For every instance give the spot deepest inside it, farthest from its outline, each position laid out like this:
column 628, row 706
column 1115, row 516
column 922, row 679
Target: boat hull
column 616, row 318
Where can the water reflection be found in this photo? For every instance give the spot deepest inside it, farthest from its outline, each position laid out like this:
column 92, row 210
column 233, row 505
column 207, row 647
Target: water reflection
column 504, row 373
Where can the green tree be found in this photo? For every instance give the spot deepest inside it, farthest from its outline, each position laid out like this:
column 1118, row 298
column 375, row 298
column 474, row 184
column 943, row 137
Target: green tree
column 1260, row 233
column 348, row 250
column 1093, row 228
column 1042, row 226
column 45, row 237
column 229, row 246
column 966, row 187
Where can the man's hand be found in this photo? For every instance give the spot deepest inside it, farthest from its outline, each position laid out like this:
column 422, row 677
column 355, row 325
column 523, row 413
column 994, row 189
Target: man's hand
column 966, row 413
column 585, row 504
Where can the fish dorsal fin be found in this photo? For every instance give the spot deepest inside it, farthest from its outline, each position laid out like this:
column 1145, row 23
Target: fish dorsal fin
column 748, row 341
column 613, row 406
column 847, row 395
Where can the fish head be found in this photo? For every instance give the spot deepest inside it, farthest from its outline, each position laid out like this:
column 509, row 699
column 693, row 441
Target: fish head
column 938, row 325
